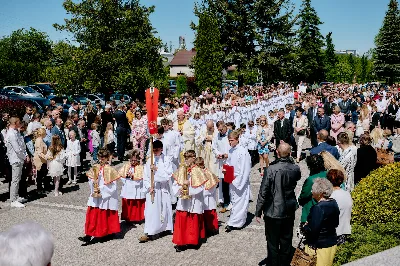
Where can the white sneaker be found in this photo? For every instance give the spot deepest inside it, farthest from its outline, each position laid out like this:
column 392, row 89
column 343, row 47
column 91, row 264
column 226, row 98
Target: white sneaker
column 17, row 204
column 22, row 200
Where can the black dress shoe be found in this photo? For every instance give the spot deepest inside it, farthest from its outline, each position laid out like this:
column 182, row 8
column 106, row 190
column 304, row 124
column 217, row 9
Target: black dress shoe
column 179, row 248
column 228, row 228
column 84, row 238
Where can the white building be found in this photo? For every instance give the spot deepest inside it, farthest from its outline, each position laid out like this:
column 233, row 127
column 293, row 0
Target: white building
column 180, row 64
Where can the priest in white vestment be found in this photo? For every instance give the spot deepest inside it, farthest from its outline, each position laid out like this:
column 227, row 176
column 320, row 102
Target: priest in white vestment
column 187, row 131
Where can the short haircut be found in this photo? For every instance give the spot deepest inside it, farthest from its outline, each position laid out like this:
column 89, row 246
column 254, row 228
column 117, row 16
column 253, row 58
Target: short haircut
column 343, row 138
column 220, row 123
column 234, row 134
column 315, row 163
column 336, row 177
column 323, row 134
column 13, row 120
column 160, row 130
column 104, row 153
column 348, row 124
column 365, row 140
column 135, row 153
column 190, row 153
column 157, row 144
column 164, row 122
column 26, row 244
column 322, row 186
column 284, row 150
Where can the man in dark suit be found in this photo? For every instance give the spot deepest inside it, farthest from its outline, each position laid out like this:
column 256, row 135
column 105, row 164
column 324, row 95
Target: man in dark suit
column 282, row 129
column 344, row 106
column 122, row 131
column 329, row 105
column 311, row 114
column 322, row 136
column 354, row 109
column 56, row 130
column 83, row 138
column 321, row 121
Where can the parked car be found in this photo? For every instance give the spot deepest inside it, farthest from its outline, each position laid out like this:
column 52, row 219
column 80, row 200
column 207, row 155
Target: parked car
column 96, row 98
column 80, row 99
column 43, row 89
column 118, row 96
column 60, row 100
column 172, row 86
column 24, row 91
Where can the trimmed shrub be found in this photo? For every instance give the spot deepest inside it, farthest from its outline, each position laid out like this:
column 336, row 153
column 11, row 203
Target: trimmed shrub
column 181, row 85
column 368, row 241
column 376, row 199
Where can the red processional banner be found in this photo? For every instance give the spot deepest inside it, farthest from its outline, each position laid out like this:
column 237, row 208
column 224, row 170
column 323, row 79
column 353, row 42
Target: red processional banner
column 152, row 95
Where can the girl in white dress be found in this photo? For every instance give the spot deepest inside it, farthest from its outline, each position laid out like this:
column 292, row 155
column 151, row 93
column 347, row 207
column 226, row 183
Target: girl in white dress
column 73, row 159
column 55, row 160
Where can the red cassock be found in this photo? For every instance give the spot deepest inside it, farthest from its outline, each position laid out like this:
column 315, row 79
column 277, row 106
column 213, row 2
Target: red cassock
column 100, row 223
column 188, row 228
column 211, row 220
column 133, row 210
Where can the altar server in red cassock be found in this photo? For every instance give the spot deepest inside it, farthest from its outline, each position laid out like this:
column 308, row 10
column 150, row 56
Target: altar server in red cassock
column 189, row 183
column 210, row 199
column 102, row 218
column 133, row 197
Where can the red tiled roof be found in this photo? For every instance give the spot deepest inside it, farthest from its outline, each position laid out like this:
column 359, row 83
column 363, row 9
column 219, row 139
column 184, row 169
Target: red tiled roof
column 183, row 58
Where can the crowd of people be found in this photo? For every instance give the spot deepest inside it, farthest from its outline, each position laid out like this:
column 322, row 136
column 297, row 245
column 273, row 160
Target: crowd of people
column 188, row 166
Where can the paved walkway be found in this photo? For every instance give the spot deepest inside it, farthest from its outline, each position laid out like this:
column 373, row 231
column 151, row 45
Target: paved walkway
column 64, row 216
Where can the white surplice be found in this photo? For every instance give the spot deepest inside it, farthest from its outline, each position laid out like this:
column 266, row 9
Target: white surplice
column 192, row 205
column 109, row 195
column 239, row 190
column 158, row 215
column 220, row 145
column 210, row 199
column 132, row 189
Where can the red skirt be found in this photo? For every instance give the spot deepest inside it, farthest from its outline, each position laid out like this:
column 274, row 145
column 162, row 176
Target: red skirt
column 133, row 210
column 211, row 220
column 188, row 228
column 101, row 223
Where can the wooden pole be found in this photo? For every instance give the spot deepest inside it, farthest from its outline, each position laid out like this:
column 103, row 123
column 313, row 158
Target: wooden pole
column 152, row 171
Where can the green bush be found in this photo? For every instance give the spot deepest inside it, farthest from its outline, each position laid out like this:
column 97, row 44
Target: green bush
column 181, row 85
column 376, row 199
column 366, row 241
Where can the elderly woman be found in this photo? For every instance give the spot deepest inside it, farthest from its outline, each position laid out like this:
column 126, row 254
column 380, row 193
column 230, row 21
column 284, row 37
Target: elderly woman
column 348, row 158
column 315, row 163
column 345, row 203
column 366, row 158
column 300, row 124
column 337, row 122
column 139, row 132
column 320, row 229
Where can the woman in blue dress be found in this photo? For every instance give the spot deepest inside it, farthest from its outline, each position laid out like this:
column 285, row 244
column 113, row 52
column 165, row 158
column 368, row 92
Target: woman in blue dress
column 264, row 135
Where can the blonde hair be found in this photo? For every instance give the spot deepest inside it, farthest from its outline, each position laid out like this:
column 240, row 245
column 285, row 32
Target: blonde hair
column 364, row 112
column 109, row 127
column 376, row 135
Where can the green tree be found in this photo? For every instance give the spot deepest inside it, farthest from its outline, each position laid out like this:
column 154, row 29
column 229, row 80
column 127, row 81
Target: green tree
column 209, row 54
column 364, row 69
column 310, row 45
column 23, row 56
column 181, row 85
column 353, row 66
column 274, row 34
column 117, row 43
column 387, row 59
column 330, row 58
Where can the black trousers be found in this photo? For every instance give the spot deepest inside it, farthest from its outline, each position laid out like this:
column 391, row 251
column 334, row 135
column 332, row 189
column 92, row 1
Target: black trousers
column 42, row 180
column 255, row 158
column 279, row 234
column 225, row 193
column 121, row 142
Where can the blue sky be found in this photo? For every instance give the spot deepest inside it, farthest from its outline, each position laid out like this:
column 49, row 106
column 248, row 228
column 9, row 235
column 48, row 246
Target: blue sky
column 354, row 23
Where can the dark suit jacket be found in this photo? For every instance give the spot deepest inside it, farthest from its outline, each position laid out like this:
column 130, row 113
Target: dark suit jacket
column 319, row 124
column 328, row 107
column 366, row 162
column 105, row 118
column 323, row 146
column 345, row 106
column 56, row 131
column 121, row 120
column 282, row 132
column 310, row 116
column 354, row 106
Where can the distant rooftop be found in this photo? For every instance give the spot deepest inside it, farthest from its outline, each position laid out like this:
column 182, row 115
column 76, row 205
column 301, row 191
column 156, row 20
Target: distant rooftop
column 183, row 58
column 353, row 52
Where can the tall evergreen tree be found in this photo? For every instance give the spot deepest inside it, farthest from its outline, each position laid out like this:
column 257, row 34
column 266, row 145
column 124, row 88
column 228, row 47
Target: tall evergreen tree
column 387, row 57
column 330, row 58
column 274, row 27
column 310, row 45
column 209, row 54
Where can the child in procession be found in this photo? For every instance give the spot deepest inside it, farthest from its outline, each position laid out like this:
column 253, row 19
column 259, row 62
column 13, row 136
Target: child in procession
column 73, row 159
column 55, row 159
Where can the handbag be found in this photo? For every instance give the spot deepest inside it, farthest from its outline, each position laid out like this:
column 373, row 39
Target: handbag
column 301, row 132
column 384, row 157
column 301, row 258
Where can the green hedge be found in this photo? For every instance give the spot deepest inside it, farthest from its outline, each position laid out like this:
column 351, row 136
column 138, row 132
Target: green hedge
column 375, row 215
